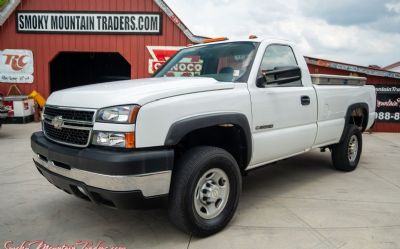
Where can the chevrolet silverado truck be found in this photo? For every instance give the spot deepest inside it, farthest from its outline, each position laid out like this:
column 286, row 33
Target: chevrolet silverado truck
column 189, row 134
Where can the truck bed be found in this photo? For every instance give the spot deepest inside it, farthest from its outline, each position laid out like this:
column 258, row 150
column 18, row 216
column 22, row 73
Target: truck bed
column 333, row 102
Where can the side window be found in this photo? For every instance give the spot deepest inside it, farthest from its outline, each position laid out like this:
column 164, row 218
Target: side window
column 277, row 56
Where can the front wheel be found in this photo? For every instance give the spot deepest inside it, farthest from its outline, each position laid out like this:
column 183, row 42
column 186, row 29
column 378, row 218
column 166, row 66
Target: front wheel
column 346, row 155
column 205, row 191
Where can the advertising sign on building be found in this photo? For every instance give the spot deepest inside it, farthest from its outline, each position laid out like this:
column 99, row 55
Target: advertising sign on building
column 88, row 22
column 16, row 66
column 387, row 103
column 189, row 66
column 159, row 55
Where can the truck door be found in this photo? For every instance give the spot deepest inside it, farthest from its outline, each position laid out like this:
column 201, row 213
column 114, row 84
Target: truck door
column 284, row 115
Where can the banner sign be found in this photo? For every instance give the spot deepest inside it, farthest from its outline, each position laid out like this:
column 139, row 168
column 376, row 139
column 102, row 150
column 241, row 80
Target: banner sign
column 16, row 66
column 89, row 22
column 387, row 103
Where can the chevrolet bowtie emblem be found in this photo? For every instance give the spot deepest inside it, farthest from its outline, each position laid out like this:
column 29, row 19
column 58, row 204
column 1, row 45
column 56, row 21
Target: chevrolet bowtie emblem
column 57, row 122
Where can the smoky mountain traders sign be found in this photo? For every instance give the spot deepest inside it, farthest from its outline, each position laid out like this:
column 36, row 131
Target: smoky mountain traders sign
column 387, row 103
column 89, row 22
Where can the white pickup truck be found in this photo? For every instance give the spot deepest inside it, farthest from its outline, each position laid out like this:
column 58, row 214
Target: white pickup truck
column 189, row 137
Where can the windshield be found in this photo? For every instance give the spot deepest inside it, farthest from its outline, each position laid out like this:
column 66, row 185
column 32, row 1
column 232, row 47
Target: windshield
column 227, row 62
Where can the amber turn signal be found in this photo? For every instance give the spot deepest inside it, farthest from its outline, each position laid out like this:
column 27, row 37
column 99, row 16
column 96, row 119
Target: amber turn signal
column 130, row 140
column 133, row 114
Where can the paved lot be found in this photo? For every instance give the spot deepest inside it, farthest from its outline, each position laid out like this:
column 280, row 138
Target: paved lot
column 299, row 203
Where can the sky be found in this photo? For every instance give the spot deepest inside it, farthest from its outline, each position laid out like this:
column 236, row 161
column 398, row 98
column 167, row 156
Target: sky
column 362, row 32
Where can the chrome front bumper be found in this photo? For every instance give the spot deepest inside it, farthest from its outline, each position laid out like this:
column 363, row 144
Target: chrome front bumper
column 151, row 184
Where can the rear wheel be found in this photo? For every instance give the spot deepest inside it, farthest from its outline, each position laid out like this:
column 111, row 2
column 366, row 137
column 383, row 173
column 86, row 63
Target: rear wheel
column 346, row 155
column 205, row 191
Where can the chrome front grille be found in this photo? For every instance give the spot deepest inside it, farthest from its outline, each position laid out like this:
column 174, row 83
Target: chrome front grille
column 69, row 114
column 70, row 126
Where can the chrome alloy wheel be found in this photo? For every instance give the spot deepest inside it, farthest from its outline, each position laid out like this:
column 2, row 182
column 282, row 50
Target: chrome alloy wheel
column 352, row 150
column 211, row 193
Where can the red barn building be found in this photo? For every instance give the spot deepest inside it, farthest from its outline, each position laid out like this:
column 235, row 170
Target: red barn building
column 48, row 45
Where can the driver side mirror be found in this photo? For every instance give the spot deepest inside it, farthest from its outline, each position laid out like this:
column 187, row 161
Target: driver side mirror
column 280, row 76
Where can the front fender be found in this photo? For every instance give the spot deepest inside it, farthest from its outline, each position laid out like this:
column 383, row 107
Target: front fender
column 181, row 128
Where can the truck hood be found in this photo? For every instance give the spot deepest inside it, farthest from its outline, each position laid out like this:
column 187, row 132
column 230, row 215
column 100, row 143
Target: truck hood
column 139, row 91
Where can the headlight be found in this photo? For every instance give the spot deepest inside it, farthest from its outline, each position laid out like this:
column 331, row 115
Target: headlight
column 118, row 114
column 114, row 139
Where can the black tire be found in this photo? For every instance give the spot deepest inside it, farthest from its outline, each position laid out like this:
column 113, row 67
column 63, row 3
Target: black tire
column 340, row 151
column 191, row 167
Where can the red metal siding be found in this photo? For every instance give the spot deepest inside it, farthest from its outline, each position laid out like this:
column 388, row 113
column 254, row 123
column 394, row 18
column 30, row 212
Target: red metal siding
column 379, row 126
column 46, row 46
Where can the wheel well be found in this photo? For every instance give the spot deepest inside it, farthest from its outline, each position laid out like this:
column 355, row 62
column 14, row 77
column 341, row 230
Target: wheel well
column 357, row 114
column 359, row 117
column 228, row 137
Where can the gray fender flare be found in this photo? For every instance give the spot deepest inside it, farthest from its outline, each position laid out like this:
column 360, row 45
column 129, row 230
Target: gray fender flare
column 350, row 109
column 183, row 127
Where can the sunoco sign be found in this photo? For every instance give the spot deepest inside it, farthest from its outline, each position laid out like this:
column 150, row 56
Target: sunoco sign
column 89, row 22
column 187, row 67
